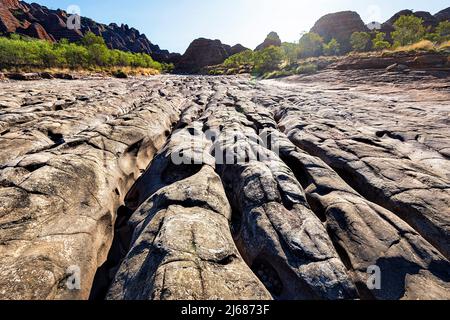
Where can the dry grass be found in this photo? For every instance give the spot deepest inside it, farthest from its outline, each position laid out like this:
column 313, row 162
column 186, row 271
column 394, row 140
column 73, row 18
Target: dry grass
column 445, row 45
column 135, row 71
column 106, row 71
column 424, row 45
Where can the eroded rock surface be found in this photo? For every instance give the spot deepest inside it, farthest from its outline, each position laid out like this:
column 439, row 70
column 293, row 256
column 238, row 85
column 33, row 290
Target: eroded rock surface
column 224, row 188
column 70, row 152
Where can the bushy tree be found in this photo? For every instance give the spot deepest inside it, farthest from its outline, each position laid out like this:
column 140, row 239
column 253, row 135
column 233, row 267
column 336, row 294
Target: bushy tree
column 379, row 43
column 76, row 56
column 90, row 39
column 443, row 31
column 360, row 41
column 291, row 51
column 244, row 58
column 18, row 51
column 331, row 48
column 408, row 30
column 310, row 45
column 268, row 59
column 99, row 55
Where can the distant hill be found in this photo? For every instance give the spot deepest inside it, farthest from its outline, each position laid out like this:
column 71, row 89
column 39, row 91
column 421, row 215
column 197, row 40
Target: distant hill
column 40, row 22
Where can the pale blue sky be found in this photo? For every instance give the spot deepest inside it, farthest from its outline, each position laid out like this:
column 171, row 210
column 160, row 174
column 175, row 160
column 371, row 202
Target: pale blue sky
column 173, row 24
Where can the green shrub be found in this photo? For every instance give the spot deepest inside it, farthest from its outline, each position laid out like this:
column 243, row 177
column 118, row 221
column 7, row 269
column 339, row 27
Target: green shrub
column 379, row 43
column 310, row 45
column 90, row 39
column 245, row 58
column 307, row 68
column 443, row 31
column 360, row 41
column 331, row 48
column 167, row 67
column 91, row 52
column 408, row 30
column 291, row 52
column 268, row 59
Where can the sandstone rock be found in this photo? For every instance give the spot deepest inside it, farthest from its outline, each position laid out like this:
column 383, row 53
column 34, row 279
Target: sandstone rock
column 35, row 30
column 340, row 26
column 23, row 76
column 8, row 23
column 192, row 254
column 238, row 48
column 60, row 190
column 397, row 67
column 443, row 15
column 421, row 60
column 275, row 230
column 10, row 4
column 202, row 53
column 65, row 76
column 369, row 235
column 176, row 187
column 437, row 60
column 272, row 39
column 46, row 75
column 414, row 187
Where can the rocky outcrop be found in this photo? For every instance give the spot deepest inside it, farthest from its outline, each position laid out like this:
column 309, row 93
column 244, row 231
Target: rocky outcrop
column 443, row 15
column 40, row 22
column 340, row 26
column 180, row 187
column 238, row 48
column 421, row 60
column 8, row 23
column 202, row 53
column 205, row 53
column 35, row 30
column 272, row 39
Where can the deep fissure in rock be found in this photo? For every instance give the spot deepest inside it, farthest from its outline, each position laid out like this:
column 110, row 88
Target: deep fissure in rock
column 123, row 232
column 119, row 249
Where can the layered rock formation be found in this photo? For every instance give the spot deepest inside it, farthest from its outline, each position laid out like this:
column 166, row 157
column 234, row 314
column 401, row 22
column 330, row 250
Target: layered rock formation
column 238, row 48
column 203, row 52
column 8, row 23
column 443, row 15
column 438, row 62
column 181, row 187
column 340, row 26
column 40, row 22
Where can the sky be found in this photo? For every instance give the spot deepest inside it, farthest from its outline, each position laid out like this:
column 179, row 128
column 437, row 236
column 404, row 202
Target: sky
column 173, row 24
